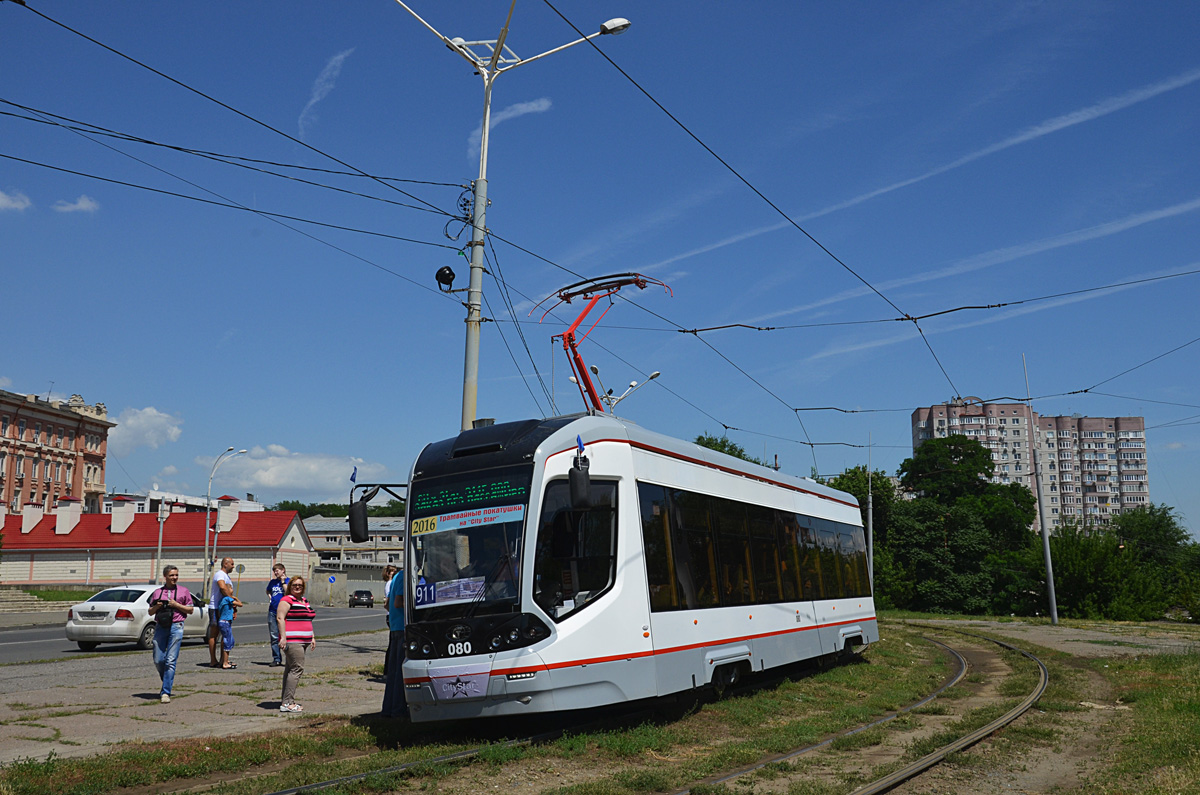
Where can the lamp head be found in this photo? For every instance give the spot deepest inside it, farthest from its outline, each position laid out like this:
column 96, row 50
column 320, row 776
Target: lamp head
column 654, row 375
column 445, row 277
column 615, row 26
column 595, row 370
column 241, row 452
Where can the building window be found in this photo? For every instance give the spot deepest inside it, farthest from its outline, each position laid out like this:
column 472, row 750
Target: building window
column 21, row 430
column 71, row 440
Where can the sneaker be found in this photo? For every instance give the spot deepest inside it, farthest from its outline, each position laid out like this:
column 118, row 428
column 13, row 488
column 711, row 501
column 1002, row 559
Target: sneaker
column 166, row 698
column 290, row 708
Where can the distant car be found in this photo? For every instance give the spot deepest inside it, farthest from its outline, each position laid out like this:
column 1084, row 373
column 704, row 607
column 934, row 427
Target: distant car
column 122, row 615
column 362, row 598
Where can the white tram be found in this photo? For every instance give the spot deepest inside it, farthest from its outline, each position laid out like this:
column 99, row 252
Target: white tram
column 679, row 568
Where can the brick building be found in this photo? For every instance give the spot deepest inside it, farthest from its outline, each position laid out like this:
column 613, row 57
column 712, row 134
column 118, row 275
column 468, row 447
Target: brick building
column 51, row 449
column 1092, row 467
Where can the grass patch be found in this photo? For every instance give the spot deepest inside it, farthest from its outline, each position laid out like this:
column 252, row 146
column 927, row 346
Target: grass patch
column 863, row 739
column 58, row 595
column 1159, row 754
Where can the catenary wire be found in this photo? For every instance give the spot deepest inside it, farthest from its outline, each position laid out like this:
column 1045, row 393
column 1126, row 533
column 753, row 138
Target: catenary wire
column 512, row 311
column 516, row 364
column 757, row 192
column 229, row 160
column 228, row 107
column 232, row 206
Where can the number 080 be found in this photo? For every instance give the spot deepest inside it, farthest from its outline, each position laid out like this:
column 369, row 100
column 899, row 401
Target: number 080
column 459, row 648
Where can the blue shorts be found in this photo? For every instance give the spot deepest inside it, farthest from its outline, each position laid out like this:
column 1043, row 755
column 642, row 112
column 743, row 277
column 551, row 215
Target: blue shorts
column 226, row 635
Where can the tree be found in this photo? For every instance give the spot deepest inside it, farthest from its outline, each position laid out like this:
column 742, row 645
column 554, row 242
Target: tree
column 1094, row 577
column 946, row 469
column 883, row 497
column 722, row 444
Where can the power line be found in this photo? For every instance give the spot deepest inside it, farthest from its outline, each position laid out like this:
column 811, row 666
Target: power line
column 68, row 122
column 758, row 193
column 227, row 204
column 228, row 107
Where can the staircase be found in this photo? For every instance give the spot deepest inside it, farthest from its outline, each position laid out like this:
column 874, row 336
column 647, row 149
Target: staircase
column 15, row 601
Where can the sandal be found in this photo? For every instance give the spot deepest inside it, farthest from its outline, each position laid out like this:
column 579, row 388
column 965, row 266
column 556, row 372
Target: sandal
column 229, row 667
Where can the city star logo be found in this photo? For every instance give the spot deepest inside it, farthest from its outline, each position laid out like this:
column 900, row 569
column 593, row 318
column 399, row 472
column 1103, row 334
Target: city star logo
column 461, row 687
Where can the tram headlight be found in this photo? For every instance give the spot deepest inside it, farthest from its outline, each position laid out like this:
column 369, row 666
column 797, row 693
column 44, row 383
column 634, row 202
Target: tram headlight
column 514, row 635
column 496, row 643
column 412, row 646
column 427, row 648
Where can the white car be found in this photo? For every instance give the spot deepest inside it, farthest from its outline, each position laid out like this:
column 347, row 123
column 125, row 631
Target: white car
column 121, row 614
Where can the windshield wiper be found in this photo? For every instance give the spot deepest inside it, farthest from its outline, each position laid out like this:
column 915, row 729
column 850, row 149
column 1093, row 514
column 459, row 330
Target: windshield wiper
column 490, row 580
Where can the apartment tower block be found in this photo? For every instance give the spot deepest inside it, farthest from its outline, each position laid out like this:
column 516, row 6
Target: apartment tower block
column 1092, row 467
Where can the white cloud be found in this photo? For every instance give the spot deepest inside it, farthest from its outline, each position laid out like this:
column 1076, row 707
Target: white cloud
column 278, row 471
column 1066, row 120
column 321, row 88
column 14, row 201
column 146, row 427
column 84, row 204
column 1001, row 256
column 475, row 140
column 5, row 383
column 167, row 471
column 1175, row 446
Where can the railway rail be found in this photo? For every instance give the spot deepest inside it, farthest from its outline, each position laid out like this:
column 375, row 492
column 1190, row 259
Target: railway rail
column 881, row 785
column 914, row 769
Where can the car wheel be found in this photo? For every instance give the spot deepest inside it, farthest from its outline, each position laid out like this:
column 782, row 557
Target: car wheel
column 87, row 645
column 146, row 640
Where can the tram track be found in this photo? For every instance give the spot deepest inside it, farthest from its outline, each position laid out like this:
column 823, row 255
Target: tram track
column 916, row 768
column 632, row 718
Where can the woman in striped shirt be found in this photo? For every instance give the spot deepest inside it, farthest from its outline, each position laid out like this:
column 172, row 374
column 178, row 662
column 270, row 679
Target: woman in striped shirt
column 295, row 616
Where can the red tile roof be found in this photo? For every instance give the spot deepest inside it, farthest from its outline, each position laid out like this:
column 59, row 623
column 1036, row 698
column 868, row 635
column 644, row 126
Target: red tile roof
column 256, row 529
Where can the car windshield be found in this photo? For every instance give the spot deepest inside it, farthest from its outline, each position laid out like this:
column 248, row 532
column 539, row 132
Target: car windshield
column 466, row 540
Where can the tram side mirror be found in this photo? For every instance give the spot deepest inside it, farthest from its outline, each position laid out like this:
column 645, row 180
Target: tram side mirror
column 580, row 485
column 358, row 522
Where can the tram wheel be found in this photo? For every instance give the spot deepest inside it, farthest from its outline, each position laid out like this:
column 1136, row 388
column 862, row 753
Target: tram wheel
column 725, row 677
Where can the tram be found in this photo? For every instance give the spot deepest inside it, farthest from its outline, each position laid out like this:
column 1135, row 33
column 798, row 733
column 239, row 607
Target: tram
column 581, row 561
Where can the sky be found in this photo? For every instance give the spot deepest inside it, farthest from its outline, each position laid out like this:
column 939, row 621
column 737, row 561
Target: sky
column 859, row 163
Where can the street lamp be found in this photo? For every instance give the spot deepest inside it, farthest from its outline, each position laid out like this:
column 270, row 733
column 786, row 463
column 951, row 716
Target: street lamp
column 207, row 505
column 492, row 60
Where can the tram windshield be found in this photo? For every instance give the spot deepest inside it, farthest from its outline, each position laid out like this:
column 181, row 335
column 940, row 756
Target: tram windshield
column 465, row 534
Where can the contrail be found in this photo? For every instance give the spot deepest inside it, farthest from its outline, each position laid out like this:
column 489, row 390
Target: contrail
column 321, row 88
column 1065, row 121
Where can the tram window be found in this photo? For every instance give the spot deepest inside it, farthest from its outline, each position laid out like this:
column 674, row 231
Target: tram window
column 733, row 552
column 829, row 556
column 792, row 555
column 656, row 538
column 810, row 570
column 853, row 544
column 764, row 553
column 575, row 560
column 695, row 558
column 847, row 565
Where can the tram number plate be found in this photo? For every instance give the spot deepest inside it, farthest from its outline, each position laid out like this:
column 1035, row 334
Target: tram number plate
column 456, row 649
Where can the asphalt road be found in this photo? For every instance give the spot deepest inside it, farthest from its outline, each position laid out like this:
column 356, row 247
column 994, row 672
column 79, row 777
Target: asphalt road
column 28, row 644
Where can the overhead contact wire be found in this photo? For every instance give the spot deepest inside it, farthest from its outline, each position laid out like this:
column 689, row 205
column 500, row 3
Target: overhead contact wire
column 229, row 107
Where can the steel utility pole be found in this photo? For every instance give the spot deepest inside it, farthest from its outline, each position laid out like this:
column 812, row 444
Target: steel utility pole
column 1037, row 478
column 493, row 59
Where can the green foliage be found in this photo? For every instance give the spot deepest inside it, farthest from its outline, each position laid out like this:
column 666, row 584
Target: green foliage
column 942, row 549
column 946, row 469
column 334, row 510
column 883, row 496
column 1095, row 577
column 722, row 444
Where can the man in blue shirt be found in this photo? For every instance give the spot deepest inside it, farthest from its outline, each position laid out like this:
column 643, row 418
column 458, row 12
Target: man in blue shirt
column 394, row 705
column 275, row 591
